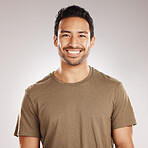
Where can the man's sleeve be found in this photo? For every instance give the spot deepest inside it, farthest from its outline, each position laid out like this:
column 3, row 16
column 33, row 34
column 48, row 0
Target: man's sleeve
column 123, row 114
column 27, row 123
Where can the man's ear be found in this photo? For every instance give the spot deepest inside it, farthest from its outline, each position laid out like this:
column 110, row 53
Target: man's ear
column 92, row 42
column 55, row 39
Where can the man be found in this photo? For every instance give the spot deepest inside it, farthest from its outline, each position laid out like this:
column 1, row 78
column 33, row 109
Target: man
column 75, row 106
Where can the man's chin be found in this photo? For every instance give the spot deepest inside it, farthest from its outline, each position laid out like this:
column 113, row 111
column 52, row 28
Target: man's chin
column 73, row 64
column 76, row 63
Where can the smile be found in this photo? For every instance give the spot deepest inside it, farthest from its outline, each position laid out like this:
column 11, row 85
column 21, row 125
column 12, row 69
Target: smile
column 74, row 52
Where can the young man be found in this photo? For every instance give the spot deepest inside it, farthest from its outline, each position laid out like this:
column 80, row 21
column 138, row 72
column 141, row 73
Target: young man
column 75, row 106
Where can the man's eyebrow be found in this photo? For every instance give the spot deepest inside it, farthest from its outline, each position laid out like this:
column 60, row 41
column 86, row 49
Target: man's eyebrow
column 85, row 32
column 66, row 31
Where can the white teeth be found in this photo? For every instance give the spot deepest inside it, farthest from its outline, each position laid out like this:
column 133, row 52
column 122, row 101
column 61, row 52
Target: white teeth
column 74, row 52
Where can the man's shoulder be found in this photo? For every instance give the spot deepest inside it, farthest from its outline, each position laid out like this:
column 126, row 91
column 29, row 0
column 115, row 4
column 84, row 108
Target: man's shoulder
column 39, row 85
column 105, row 79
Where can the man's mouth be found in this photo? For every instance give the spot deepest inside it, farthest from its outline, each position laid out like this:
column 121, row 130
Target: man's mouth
column 73, row 52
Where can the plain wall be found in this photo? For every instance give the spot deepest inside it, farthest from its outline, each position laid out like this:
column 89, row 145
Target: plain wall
column 27, row 53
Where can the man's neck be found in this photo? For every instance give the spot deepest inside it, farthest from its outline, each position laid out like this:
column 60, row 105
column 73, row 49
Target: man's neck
column 72, row 74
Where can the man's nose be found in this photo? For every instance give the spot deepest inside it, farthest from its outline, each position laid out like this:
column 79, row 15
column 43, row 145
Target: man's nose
column 73, row 41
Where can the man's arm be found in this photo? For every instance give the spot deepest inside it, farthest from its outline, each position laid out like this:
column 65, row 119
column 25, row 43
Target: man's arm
column 123, row 137
column 29, row 142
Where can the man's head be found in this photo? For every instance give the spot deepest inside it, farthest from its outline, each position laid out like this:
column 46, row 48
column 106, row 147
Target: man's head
column 74, row 35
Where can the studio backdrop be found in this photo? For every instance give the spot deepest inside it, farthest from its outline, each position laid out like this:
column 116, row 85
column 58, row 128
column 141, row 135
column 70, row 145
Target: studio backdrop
column 27, row 53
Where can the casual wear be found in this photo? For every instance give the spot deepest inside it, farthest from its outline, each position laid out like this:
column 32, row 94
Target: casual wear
column 75, row 115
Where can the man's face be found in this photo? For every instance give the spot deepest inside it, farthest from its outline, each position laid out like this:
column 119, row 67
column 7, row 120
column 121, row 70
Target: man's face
column 73, row 40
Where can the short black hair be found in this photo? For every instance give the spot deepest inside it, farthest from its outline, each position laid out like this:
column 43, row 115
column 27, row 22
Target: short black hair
column 74, row 11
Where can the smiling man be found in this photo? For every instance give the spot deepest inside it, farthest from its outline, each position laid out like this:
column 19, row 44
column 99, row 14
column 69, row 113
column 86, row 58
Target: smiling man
column 75, row 106
column 73, row 40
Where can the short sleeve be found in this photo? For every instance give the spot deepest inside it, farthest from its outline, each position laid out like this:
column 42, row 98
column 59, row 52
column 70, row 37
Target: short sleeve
column 27, row 122
column 123, row 114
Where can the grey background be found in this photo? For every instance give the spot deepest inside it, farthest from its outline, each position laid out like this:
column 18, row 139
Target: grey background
column 27, row 53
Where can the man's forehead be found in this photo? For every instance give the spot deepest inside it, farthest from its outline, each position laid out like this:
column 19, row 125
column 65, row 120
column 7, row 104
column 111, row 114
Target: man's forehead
column 74, row 18
column 73, row 22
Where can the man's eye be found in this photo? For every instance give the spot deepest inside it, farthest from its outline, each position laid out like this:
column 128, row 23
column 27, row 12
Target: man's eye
column 65, row 35
column 82, row 36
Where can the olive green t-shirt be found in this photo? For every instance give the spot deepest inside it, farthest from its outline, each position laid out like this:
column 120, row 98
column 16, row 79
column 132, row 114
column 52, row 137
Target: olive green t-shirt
column 75, row 115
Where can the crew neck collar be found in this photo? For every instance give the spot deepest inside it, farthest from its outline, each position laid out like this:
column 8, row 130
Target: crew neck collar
column 72, row 84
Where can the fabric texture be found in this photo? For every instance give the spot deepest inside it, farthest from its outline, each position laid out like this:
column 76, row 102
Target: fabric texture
column 75, row 115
